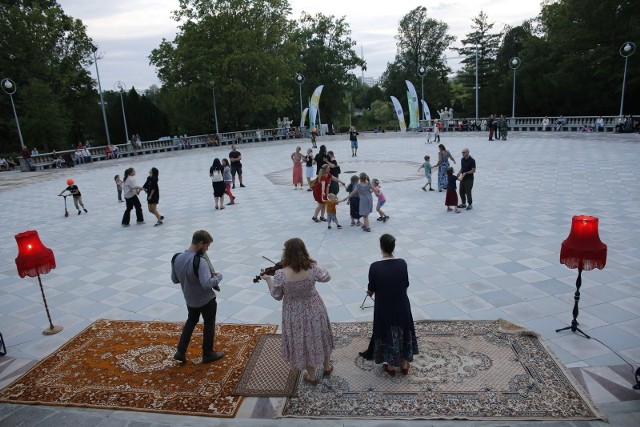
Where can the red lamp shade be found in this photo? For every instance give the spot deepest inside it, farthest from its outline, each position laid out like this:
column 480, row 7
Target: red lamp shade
column 583, row 248
column 33, row 257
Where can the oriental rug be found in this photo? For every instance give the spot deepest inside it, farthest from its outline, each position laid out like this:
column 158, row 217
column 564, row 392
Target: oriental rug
column 266, row 374
column 475, row 370
column 129, row 365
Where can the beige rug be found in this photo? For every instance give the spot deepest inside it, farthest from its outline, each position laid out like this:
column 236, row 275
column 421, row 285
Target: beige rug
column 129, row 365
column 266, row 374
column 480, row 370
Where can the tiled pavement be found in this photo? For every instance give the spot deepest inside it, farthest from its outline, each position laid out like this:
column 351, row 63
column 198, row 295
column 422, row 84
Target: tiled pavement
column 499, row 260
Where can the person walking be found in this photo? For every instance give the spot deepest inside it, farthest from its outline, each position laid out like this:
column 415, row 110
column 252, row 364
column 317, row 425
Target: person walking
column 131, row 190
column 427, row 172
column 465, row 174
column 307, row 340
column 394, row 336
column 353, row 137
column 226, row 172
column 309, row 169
column 153, row 194
column 443, row 163
column 198, row 282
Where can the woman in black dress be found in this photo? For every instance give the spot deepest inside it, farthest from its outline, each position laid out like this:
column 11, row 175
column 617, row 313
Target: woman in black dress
column 153, row 194
column 394, row 336
column 216, row 172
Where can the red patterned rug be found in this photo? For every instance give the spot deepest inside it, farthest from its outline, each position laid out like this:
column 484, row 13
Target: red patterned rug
column 129, row 365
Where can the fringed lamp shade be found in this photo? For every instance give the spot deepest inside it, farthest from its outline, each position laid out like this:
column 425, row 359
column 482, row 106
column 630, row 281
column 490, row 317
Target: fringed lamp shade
column 33, row 257
column 583, row 248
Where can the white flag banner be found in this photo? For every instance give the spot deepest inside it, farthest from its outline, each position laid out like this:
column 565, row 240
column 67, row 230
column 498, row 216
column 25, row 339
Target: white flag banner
column 425, row 110
column 314, row 106
column 399, row 114
column 412, row 98
column 304, row 116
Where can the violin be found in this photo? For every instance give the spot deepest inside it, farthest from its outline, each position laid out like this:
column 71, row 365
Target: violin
column 269, row 271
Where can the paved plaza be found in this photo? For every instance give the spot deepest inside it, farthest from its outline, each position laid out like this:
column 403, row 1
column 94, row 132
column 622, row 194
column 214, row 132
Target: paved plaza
column 499, row 260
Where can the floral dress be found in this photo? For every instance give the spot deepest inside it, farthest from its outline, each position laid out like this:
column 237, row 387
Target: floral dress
column 443, row 164
column 306, row 331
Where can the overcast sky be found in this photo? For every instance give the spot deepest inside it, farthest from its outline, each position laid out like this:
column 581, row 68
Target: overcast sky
column 127, row 30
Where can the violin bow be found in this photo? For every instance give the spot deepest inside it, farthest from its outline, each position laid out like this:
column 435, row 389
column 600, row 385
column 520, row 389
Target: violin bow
column 274, row 263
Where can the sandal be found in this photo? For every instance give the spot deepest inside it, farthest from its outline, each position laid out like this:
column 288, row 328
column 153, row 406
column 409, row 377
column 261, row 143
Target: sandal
column 315, row 219
column 323, row 219
column 328, row 372
column 391, row 372
column 308, row 380
column 366, row 229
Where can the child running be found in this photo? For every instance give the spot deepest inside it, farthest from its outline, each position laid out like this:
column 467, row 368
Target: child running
column 354, row 202
column 332, row 202
column 118, row 187
column 364, row 189
column 77, row 197
column 451, row 198
column 226, row 173
column 427, row 173
column 377, row 189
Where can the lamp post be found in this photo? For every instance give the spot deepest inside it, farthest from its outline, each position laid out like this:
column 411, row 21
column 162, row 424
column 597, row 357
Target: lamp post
column 215, row 112
column 9, row 87
column 421, row 72
column 514, row 63
column 121, row 87
column 94, row 49
column 476, row 83
column 626, row 50
column 299, row 81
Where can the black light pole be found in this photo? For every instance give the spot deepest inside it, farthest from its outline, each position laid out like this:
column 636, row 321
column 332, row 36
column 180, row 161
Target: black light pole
column 421, row 72
column 299, row 81
column 626, row 50
column 94, row 49
column 121, row 87
column 215, row 112
column 514, row 63
column 9, row 87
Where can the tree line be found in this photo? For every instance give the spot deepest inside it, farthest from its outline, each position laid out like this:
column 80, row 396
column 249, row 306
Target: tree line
column 248, row 52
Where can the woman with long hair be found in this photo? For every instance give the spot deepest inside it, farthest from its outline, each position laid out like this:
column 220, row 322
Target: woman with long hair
column 307, row 340
column 153, row 194
column 443, row 163
column 131, row 189
column 216, row 172
column 296, row 158
column 228, row 179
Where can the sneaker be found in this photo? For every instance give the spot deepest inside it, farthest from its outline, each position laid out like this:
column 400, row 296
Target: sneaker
column 457, row 210
column 213, row 357
column 231, row 203
column 161, row 218
column 233, row 186
column 86, row 211
column 380, row 218
column 242, row 185
column 462, row 205
column 79, row 212
column 125, row 225
column 157, row 223
column 449, row 209
column 329, row 227
column 424, row 189
column 179, row 356
column 339, row 227
column 431, row 189
column 309, row 189
column 353, row 223
column 469, row 207
column 139, row 222
column 358, row 223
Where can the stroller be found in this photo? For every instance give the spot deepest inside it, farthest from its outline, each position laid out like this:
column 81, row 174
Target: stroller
column 67, row 161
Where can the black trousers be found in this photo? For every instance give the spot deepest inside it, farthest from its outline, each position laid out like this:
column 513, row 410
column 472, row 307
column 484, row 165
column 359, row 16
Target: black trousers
column 466, row 185
column 132, row 202
column 208, row 312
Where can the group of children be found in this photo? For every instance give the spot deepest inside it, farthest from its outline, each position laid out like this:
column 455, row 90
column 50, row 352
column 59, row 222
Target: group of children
column 451, row 197
column 360, row 201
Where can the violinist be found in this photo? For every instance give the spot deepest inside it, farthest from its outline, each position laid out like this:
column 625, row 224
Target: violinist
column 307, row 340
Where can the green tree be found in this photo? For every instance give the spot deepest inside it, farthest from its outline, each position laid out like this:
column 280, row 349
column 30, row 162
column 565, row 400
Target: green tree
column 241, row 45
column 483, row 44
column 46, row 53
column 422, row 41
column 326, row 58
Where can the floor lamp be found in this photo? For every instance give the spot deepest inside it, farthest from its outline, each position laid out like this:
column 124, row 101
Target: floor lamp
column 582, row 250
column 34, row 259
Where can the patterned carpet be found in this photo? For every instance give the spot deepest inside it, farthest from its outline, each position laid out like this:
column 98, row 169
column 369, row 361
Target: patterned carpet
column 266, row 374
column 479, row 370
column 129, row 365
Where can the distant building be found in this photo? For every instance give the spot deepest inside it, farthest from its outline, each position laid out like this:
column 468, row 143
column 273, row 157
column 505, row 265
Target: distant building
column 370, row 81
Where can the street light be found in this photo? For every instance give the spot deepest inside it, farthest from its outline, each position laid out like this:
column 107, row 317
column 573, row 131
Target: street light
column 626, row 50
column 94, row 49
column 421, row 72
column 514, row 63
column 299, row 81
column 477, row 84
column 121, row 87
column 9, row 87
column 215, row 112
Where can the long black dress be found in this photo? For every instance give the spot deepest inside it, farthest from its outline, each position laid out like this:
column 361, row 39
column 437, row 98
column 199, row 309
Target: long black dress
column 394, row 334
